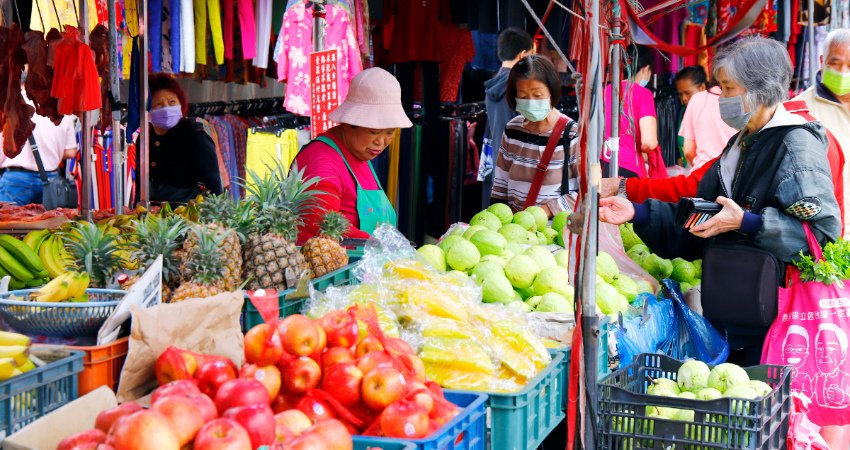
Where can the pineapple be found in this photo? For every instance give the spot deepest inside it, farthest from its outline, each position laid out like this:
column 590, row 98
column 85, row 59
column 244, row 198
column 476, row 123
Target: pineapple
column 222, row 213
column 203, row 267
column 95, row 251
column 323, row 253
column 156, row 236
column 272, row 261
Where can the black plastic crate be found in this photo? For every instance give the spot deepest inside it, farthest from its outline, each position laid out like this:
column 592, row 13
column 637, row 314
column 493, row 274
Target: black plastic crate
column 725, row 423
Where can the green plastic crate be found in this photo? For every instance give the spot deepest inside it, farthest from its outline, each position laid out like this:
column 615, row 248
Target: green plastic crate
column 565, row 373
column 522, row 420
column 342, row 277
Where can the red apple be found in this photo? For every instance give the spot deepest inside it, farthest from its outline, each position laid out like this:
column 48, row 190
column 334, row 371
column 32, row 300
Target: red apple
column 341, row 328
column 175, row 388
column 374, row 360
column 405, row 420
column 211, row 375
column 263, row 345
column 240, row 392
column 222, row 434
column 206, row 407
column 300, row 375
column 143, row 430
column 299, row 335
column 334, row 435
column 106, row 418
column 425, row 400
column 285, row 402
column 307, row 441
column 323, row 340
column 335, row 355
column 316, row 409
column 399, row 345
column 268, row 375
column 383, row 386
column 342, row 381
column 418, row 368
column 86, row 440
column 290, row 423
column 368, row 344
column 183, row 414
column 258, row 421
column 174, row 364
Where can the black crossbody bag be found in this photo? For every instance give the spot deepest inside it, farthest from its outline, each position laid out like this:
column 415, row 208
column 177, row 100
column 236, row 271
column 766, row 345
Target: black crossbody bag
column 59, row 192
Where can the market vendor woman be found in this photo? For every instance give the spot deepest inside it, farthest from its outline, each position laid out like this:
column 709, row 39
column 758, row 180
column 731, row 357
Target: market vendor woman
column 183, row 162
column 772, row 178
column 368, row 121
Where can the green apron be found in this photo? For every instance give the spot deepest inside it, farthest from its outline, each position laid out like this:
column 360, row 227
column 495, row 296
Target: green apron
column 373, row 206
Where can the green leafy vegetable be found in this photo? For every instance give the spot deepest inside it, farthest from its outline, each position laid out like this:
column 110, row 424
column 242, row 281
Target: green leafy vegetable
column 834, row 268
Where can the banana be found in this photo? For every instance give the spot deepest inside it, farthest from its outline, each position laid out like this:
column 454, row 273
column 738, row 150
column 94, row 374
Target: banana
column 20, row 353
column 14, row 267
column 22, row 252
column 26, row 366
column 79, row 283
column 61, row 255
column 7, row 366
column 55, row 291
column 35, row 238
column 48, row 256
column 8, row 338
column 16, row 284
column 36, row 282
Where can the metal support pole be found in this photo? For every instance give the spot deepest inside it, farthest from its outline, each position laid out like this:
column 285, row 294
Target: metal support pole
column 616, row 75
column 813, row 65
column 143, row 146
column 119, row 156
column 318, row 25
column 85, row 121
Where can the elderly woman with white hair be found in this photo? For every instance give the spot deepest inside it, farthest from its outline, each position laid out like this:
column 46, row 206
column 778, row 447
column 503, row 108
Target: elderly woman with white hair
column 772, row 177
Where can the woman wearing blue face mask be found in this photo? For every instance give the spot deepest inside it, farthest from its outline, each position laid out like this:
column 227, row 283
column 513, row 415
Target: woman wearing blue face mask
column 183, row 161
column 772, row 177
column 638, row 130
column 533, row 90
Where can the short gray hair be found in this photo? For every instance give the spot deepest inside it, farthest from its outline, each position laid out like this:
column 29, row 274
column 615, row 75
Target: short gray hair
column 840, row 36
column 761, row 66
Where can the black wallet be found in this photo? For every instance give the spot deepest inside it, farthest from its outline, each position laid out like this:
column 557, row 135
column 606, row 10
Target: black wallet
column 694, row 211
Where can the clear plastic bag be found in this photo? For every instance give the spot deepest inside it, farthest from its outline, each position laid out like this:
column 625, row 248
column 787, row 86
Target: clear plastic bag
column 463, row 343
column 610, row 242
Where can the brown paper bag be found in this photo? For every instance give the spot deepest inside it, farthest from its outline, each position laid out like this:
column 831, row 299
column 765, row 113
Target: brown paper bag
column 209, row 325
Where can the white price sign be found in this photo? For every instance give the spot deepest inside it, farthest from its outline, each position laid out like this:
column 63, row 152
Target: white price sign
column 146, row 292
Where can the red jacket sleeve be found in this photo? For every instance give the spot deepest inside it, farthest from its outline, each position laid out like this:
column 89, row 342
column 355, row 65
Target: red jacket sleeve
column 328, row 200
column 835, row 155
column 666, row 189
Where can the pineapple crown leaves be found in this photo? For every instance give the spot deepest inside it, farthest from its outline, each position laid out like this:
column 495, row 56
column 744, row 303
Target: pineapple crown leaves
column 334, row 225
column 280, row 198
column 95, row 251
column 216, row 209
column 204, row 261
column 156, row 236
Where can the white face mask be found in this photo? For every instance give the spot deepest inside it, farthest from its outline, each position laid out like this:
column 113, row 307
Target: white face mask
column 732, row 112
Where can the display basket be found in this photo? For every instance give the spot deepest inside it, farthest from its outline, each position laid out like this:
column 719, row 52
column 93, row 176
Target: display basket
column 563, row 385
column 102, row 364
column 725, row 423
column 465, row 432
column 28, row 396
column 342, row 277
column 365, row 445
column 522, row 420
column 60, row 319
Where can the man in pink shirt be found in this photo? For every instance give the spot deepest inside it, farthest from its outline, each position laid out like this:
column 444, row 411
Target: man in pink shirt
column 705, row 133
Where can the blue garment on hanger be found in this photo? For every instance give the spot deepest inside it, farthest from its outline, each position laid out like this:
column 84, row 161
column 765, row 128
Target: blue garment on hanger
column 135, row 95
column 174, row 9
column 155, row 33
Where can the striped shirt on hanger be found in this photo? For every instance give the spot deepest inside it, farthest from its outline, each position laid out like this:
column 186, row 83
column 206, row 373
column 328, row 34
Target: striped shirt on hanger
column 516, row 165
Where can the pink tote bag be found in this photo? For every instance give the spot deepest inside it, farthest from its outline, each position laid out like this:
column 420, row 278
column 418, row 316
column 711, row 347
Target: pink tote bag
column 810, row 334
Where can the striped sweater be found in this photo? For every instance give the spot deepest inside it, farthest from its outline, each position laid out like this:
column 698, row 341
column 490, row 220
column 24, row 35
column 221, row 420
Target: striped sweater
column 516, row 165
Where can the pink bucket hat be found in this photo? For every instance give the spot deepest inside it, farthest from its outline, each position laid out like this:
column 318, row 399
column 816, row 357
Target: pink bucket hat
column 374, row 101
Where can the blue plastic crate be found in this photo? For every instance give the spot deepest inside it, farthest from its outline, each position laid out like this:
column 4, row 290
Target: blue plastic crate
column 522, row 420
column 361, row 444
column 465, row 432
column 31, row 395
column 342, row 277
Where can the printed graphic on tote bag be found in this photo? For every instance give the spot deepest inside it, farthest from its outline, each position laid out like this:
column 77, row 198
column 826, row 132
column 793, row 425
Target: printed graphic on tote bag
column 795, row 349
column 831, row 385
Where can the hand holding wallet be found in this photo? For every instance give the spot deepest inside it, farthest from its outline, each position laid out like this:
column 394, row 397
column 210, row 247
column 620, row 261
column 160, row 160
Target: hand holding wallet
column 694, row 211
